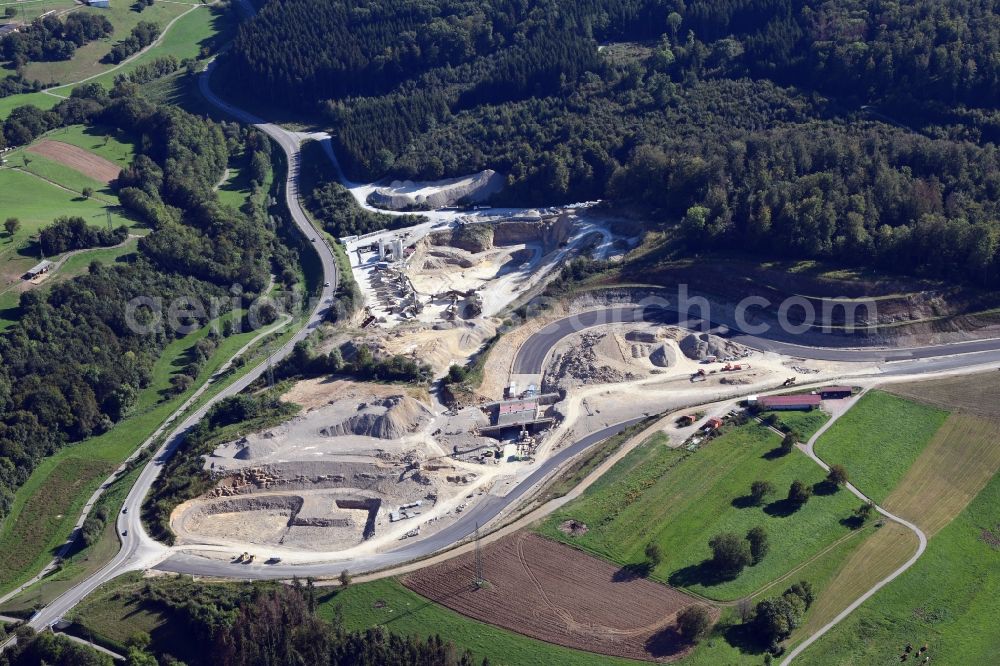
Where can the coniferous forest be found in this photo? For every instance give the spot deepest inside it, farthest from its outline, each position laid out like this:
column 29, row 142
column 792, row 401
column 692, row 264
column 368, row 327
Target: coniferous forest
column 861, row 131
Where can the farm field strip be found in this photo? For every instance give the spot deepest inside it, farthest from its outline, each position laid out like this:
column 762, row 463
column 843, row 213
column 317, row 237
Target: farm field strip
column 958, row 463
column 881, row 553
column 557, row 594
column 976, row 394
column 76, row 158
column 948, row 600
column 878, row 440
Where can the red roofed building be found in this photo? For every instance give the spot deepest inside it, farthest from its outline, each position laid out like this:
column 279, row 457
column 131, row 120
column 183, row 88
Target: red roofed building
column 805, row 402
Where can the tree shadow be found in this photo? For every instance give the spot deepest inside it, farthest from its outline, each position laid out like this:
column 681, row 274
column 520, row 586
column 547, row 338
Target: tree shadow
column 704, row 573
column 825, row 487
column 782, row 508
column 852, row 522
column 632, row 571
column 743, row 637
column 744, row 502
column 775, row 453
column 666, row 643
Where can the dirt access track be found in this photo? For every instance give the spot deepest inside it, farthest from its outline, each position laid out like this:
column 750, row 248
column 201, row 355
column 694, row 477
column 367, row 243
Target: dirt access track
column 549, row 591
column 77, row 159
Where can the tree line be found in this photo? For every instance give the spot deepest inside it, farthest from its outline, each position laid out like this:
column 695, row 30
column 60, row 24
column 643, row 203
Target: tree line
column 73, row 233
column 73, row 365
column 53, row 38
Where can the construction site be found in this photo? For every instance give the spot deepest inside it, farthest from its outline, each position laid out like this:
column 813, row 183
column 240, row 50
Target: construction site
column 465, row 267
column 367, row 465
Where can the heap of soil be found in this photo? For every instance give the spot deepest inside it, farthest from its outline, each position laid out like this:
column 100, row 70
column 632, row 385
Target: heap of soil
column 391, row 418
column 697, row 346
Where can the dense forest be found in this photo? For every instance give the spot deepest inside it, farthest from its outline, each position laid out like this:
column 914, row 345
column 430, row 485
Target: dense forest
column 861, row 131
column 243, row 625
column 72, row 363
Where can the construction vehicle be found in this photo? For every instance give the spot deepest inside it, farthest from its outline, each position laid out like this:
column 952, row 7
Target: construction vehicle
column 250, row 559
column 789, row 381
column 699, row 376
column 729, row 367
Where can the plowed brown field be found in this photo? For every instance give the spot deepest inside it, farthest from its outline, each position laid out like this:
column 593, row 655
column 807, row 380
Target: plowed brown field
column 77, row 159
column 554, row 593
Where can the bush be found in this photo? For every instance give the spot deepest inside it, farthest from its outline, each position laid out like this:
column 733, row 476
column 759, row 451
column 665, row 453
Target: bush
column 730, row 554
column 799, row 493
column 693, row 623
column 760, row 490
column 759, row 546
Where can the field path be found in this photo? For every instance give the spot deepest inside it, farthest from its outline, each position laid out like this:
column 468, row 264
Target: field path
column 922, row 546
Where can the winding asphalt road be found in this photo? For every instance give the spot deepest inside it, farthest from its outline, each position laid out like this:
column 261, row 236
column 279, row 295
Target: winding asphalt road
column 532, row 356
column 482, row 512
column 138, row 549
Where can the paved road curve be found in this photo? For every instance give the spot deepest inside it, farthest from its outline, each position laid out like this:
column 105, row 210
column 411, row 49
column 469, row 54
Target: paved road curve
column 485, row 510
column 137, row 547
column 533, row 354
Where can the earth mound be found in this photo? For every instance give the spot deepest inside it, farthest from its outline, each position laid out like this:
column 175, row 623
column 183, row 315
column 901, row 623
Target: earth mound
column 390, row 418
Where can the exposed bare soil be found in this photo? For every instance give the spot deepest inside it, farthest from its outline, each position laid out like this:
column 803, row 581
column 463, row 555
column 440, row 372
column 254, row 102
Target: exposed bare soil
column 78, row 159
column 554, row 593
column 974, row 394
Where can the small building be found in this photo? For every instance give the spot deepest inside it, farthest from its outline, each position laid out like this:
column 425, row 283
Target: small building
column 101, row 4
column 40, row 268
column 836, row 392
column 516, row 411
column 804, row 402
column 9, row 29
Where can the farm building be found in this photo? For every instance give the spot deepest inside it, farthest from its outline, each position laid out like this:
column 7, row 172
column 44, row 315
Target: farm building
column 805, row 402
column 38, row 269
column 836, row 392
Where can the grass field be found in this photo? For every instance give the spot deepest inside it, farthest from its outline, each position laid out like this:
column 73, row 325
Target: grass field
column 204, row 27
column 804, row 424
column 387, row 603
column 103, row 141
column 878, row 440
column 949, row 599
column 36, row 191
column 86, row 61
column 959, row 461
column 680, row 500
column 20, row 558
column 81, row 562
column 877, row 556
